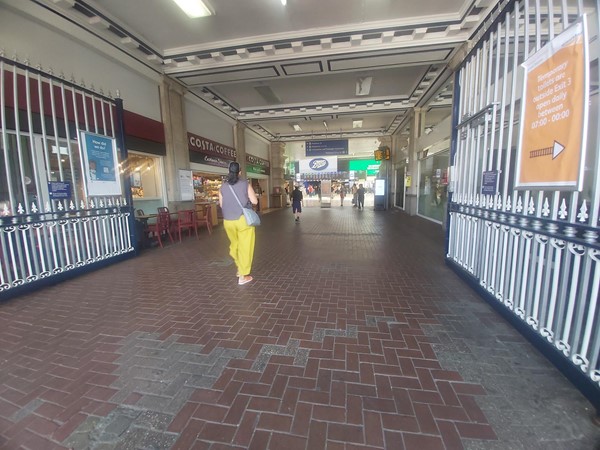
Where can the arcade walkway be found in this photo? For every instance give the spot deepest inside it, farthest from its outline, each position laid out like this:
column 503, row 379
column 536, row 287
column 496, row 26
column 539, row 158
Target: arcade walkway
column 354, row 335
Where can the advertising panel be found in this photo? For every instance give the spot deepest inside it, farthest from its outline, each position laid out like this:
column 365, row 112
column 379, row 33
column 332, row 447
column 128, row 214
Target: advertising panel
column 554, row 112
column 100, row 159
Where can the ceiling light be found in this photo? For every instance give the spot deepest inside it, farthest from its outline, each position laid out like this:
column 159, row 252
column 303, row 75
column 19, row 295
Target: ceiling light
column 325, row 125
column 428, row 130
column 194, row 8
column 296, row 127
column 357, row 123
column 284, row 2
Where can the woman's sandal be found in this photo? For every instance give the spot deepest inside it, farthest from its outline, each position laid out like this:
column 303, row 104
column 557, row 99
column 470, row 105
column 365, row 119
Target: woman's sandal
column 246, row 279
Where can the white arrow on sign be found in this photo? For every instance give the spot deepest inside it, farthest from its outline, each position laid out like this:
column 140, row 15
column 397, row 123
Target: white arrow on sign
column 555, row 150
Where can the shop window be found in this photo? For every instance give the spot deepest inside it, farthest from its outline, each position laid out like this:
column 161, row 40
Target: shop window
column 144, row 176
column 433, row 185
column 206, row 187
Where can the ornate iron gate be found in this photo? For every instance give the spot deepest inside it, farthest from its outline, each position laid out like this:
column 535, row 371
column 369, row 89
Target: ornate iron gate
column 50, row 226
column 535, row 252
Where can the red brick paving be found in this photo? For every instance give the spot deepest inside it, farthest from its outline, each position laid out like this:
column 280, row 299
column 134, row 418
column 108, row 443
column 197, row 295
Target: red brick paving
column 380, row 388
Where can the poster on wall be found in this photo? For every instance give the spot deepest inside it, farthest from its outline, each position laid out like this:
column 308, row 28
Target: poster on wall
column 554, row 113
column 186, row 185
column 100, row 159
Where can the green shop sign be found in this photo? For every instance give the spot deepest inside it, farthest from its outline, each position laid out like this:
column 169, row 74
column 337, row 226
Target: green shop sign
column 254, row 164
column 368, row 165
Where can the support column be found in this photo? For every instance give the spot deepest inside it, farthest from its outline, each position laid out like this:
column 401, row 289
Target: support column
column 277, row 180
column 173, row 113
column 239, row 142
column 387, row 173
column 416, row 129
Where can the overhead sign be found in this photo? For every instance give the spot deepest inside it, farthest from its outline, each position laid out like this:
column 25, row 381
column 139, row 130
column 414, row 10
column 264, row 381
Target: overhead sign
column 327, row 148
column 554, row 113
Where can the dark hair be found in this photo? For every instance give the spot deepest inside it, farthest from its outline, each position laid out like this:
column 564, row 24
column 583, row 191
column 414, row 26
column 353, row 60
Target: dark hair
column 234, row 172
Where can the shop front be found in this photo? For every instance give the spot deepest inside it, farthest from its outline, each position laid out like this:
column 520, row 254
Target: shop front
column 258, row 171
column 145, row 141
column 209, row 161
column 145, row 172
column 433, row 185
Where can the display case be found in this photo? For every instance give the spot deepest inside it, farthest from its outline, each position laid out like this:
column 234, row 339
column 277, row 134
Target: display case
column 206, row 187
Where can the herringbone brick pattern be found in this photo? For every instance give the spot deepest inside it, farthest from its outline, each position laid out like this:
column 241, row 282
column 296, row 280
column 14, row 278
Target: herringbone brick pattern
column 353, row 335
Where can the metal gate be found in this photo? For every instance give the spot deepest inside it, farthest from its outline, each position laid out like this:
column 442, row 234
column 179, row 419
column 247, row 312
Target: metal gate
column 535, row 252
column 50, row 226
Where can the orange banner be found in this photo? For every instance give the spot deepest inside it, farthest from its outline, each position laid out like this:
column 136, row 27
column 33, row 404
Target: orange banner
column 554, row 114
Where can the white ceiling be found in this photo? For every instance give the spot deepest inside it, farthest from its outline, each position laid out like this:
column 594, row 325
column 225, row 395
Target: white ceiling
column 271, row 66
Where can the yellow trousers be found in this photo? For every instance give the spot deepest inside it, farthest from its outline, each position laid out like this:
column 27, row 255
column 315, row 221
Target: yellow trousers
column 241, row 243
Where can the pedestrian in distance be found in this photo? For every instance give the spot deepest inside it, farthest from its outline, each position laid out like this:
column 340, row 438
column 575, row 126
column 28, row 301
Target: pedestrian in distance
column 342, row 195
column 360, row 197
column 297, row 198
column 354, row 191
column 241, row 235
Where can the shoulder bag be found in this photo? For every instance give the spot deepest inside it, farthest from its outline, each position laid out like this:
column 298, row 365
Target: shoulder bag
column 252, row 219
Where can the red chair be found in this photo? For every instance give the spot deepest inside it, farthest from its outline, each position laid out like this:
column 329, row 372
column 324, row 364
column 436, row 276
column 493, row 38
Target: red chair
column 161, row 227
column 206, row 219
column 186, row 220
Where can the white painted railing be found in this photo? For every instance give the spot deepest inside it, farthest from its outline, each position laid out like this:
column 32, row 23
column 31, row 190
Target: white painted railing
column 536, row 252
column 42, row 162
column 39, row 245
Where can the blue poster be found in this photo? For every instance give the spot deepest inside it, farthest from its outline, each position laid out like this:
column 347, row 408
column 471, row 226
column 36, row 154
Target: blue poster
column 489, row 182
column 327, row 148
column 59, row 189
column 100, row 156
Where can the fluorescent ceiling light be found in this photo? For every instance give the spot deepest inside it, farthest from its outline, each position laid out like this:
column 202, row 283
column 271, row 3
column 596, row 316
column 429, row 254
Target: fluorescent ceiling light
column 325, row 125
column 296, row 127
column 284, row 2
column 357, row 123
column 194, row 8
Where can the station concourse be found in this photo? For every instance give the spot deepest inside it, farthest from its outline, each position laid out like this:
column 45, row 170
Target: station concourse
column 355, row 334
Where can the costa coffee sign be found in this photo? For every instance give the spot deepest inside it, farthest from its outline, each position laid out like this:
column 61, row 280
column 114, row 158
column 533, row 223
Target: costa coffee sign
column 254, row 164
column 200, row 144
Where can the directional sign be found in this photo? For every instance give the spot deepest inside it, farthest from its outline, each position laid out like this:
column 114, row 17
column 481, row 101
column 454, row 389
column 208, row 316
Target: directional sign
column 554, row 113
column 555, row 150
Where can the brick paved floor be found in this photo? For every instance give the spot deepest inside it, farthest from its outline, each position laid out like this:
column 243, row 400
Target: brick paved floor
column 354, row 335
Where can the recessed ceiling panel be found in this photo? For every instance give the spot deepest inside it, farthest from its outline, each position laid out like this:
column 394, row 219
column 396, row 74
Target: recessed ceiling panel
column 397, row 59
column 164, row 24
column 230, row 76
column 303, row 68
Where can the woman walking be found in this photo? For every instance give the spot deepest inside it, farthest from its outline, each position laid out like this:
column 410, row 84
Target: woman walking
column 241, row 236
